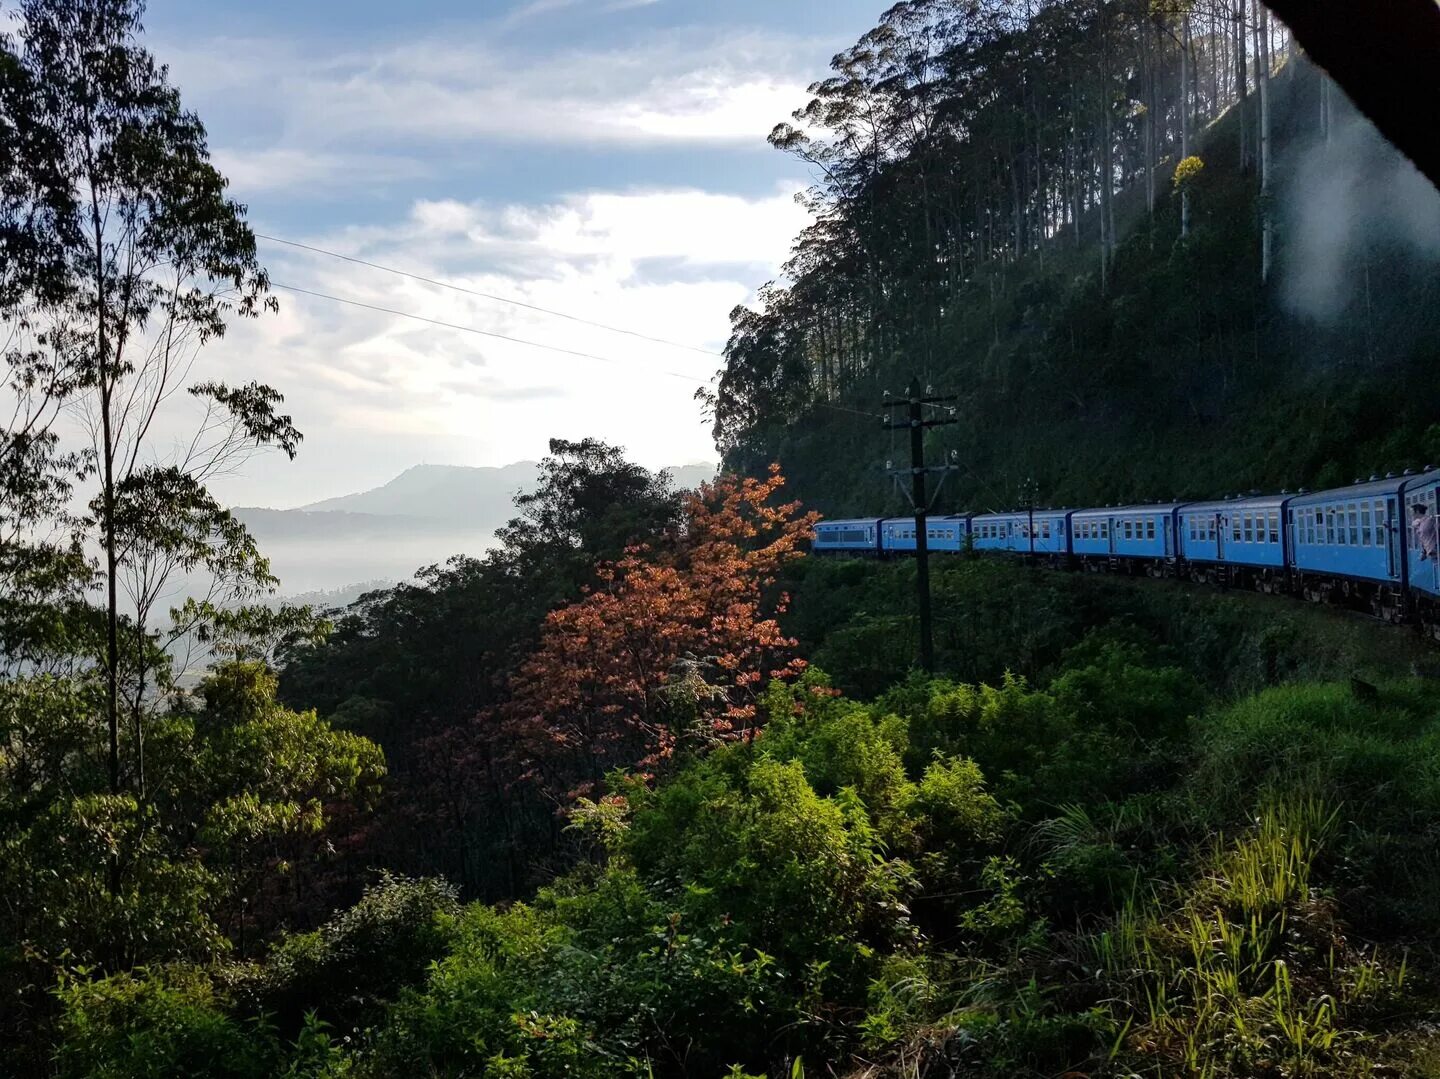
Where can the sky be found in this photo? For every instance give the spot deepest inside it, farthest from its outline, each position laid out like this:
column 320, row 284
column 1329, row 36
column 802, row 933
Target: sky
column 605, row 158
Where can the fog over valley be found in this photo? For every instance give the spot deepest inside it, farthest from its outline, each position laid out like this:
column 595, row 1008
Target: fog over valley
column 422, row 517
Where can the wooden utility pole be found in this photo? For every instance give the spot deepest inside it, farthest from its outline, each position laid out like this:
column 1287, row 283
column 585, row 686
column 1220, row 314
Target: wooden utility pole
column 914, row 402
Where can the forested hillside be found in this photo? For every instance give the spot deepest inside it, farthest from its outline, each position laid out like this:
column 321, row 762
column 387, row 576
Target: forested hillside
column 1109, row 340
column 647, row 793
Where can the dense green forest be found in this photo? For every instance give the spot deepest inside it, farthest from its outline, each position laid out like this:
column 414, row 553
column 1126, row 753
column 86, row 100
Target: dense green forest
column 1106, row 345
column 645, row 791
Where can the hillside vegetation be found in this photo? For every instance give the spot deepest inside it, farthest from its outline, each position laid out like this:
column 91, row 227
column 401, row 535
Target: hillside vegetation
column 1102, row 365
column 646, row 791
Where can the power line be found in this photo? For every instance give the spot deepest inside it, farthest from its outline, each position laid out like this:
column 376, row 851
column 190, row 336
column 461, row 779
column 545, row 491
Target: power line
column 465, row 329
column 517, row 340
column 488, row 295
column 852, row 411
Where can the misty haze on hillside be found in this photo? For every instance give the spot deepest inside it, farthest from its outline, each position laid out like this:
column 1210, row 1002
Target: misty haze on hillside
column 350, row 543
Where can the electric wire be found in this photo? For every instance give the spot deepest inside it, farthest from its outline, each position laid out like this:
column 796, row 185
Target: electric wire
column 487, row 295
column 461, row 327
column 466, row 329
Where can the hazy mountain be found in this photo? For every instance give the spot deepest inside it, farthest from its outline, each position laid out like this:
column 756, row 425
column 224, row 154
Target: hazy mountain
column 421, row 517
column 478, row 496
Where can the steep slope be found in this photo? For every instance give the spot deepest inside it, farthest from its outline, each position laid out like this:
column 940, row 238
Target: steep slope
column 1182, row 374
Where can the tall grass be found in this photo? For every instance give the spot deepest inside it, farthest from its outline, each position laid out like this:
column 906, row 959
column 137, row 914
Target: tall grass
column 1208, row 976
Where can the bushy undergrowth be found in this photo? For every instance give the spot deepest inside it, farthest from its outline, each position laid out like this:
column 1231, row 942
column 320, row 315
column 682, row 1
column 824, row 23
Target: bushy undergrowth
column 1108, row 875
column 856, row 618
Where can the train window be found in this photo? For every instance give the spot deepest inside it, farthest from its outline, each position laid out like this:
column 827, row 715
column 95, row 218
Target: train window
column 1329, row 518
column 1310, row 525
column 1353, row 515
column 1274, row 526
column 1190, row 524
column 1129, row 528
column 1365, row 532
column 1248, row 526
column 1150, row 528
column 1045, row 530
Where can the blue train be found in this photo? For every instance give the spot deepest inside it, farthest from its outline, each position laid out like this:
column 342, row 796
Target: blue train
column 1355, row 546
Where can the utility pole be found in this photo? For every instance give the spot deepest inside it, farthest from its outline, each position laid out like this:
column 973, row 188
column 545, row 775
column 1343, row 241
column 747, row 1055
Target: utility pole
column 914, row 403
column 1027, row 499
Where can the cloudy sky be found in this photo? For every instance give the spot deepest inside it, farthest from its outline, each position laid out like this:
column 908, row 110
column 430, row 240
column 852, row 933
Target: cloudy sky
column 606, row 158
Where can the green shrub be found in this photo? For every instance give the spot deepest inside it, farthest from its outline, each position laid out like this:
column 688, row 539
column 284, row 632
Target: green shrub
column 157, row 1024
column 346, row 970
column 1377, row 760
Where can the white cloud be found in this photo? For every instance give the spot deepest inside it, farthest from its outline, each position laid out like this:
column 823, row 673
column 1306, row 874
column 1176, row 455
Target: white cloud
column 328, row 114
column 278, row 168
column 376, row 392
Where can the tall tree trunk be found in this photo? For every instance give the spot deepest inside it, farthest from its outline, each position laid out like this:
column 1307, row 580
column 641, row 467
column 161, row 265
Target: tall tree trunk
column 1242, row 83
column 1262, row 78
column 1107, row 154
column 1185, row 117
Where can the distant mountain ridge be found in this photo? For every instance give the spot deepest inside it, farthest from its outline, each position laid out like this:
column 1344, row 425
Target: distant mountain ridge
column 477, row 496
column 424, row 515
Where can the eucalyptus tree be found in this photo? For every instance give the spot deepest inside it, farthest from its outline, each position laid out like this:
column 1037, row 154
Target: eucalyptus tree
column 954, row 139
column 124, row 256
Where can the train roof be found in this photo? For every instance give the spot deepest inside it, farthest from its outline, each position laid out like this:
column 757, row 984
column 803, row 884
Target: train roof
column 929, row 516
column 1258, row 501
column 1024, row 513
column 838, row 521
column 1144, row 507
column 1388, row 486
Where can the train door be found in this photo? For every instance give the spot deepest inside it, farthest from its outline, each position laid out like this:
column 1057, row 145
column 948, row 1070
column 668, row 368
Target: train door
column 1424, row 572
column 1221, row 523
column 1168, row 520
column 1432, row 564
column 1110, row 534
column 1394, row 523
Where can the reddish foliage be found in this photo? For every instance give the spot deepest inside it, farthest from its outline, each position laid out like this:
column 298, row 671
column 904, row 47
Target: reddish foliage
column 671, row 647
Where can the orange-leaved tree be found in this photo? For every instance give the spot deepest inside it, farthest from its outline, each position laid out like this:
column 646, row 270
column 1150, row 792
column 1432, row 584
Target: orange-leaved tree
column 669, row 650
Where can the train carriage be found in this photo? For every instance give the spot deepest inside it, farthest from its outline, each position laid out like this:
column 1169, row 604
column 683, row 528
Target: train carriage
column 1236, row 541
column 1348, row 544
column 945, row 533
column 853, row 536
column 1358, row 545
column 1144, row 535
column 1043, row 532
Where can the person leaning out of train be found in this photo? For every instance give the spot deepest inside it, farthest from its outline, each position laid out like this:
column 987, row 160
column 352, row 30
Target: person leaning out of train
column 1427, row 531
